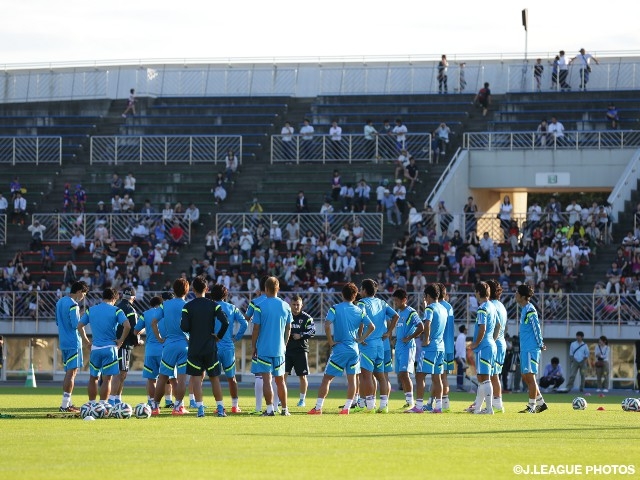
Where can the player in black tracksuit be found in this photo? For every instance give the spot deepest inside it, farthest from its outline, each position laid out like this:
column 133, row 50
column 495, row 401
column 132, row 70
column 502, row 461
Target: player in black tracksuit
column 297, row 353
column 198, row 320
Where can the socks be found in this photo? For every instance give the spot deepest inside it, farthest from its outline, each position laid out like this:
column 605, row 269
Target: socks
column 430, row 401
column 66, row 399
column 119, row 398
column 274, row 387
column 320, row 402
column 479, row 397
column 270, row 408
column 167, row 398
column 488, row 394
column 178, row 404
column 303, row 396
column 497, row 403
column 234, row 402
column 420, row 403
column 384, row 401
column 112, row 398
column 198, row 404
column 408, row 397
column 539, row 400
column 445, row 402
column 258, row 392
column 192, row 397
column 370, row 401
column 361, row 402
column 438, row 405
column 220, row 403
column 347, row 404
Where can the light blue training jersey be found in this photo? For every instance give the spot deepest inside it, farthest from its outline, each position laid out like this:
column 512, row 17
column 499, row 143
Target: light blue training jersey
column 407, row 323
column 345, row 319
column 152, row 348
column 501, row 322
column 234, row 316
column 379, row 312
column 104, row 319
column 530, row 333
column 171, row 312
column 449, row 329
column 272, row 314
column 486, row 316
column 436, row 314
column 67, row 317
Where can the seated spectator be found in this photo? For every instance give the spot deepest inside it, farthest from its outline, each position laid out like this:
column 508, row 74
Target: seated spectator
column 167, row 214
column 129, row 184
column 116, row 204
column 529, row 271
column 86, row 277
column 177, row 235
column 37, row 235
column 48, row 258
column 192, row 215
column 514, row 235
column 292, row 231
column 116, row 185
column 442, row 135
column 347, row 194
column 468, row 265
column 301, row 203
column 485, row 245
column 612, row 117
column 195, row 268
column 494, row 257
column 139, row 233
column 69, row 273
column 614, row 275
column 211, row 241
column 419, row 282
column 401, row 163
column 219, row 194
column 96, row 248
column 552, row 377
column 362, row 196
column 275, row 233
column 158, row 256
column 144, row 273
column 411, row 173
column 245, row 244
column 336, row 186
column 78, row 244
column 235, row 259
column 258, row 263
column 135, row 252
column 335, row 268
column 231, row 165
column 224, row 278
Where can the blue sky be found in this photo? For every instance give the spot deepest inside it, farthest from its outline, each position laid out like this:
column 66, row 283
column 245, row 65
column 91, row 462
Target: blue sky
column 73, row 30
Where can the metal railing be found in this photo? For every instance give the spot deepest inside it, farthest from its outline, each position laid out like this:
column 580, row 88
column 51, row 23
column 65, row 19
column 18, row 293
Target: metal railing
column 164, row 149
column 372, row 223
column 596, row 309
column 61, row 227
column 351, row 147
column 30, row 150
column 3, row 229
column 627, row 182
column 594, row 139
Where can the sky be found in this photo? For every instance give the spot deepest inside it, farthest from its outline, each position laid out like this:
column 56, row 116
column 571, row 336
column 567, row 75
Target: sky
column 46, row 31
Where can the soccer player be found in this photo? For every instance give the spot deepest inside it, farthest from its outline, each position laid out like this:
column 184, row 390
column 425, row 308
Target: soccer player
column 501, row 345
column 124, row 354
column 372, row 352
column 484, row 347
column 435, row 320
column 449, row 346
column 408, row 328
column 174, row 347
column 297, row 354
column 199, row 319
column 153, row 348
column 69, row 341
column 531, row 343
column 271, row 329
column 226, row 347
column 346, row 320
column 104, row 318
column 258, row 388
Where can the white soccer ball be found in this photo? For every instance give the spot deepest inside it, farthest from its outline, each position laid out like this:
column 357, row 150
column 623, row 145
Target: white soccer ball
column 142, row 411
column 122, row 410
column 631, row 405
column 98, row 410
column 579, row 403
column 108, row 410
column 86, row 409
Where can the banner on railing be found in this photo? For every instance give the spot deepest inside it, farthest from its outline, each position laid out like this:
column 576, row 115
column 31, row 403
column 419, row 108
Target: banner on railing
column 190, row 149
column 60, row 227
column 30, row 150
column 371, row 223
column 349, row 147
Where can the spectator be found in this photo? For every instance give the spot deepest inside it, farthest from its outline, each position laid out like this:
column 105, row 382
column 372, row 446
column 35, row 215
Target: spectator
column 382, row 186
column 192, row 215
column 411, row 173
column 514, row 235
column 336, row 186
column 48, row 258
column 538, row 69
column 292, row 231
column 506, row 210
column 139, row 233
column 158, row 256
column 19, row 208
column 301, row 203
column 362, row 194
column 288, row 145
column 401, row 163
column 612, row 117
column 116, row 204
column 347, row 194
column 419, row 282
column 555, row 66
column 442, row 135
column 614, row 275
column 495, row 252
column 4, row 205
column 573, row 210
column 275, row 233
column 390, row 206
column 602, row 364
column 306, row 145
column 400, row 194
column 219, row 194
column 258, row 263
column 370, row 134
column 552, row 377
column 144, row 273
column 542, row 131
column 556, row 130
column 335, row 141
column 80, row 199
column 578, row 357
column 78, row 244
column 130, row 184
column 177, row 235
column 483, row 98
column 485, row 247
column 413, row 219
column 583, row 60
column 563, row 70
column 349, row 266
column 37, row 235
column 116, row 185
column 231, row 165
column 127, row 205
column 445, row 220
column 553, row 211
column 443, row 66
column 468, row 264
column 470, row 210
column 256, row 207
column 400, row 132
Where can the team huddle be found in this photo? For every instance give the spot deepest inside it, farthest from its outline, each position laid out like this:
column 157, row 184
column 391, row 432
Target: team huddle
column 196, row 337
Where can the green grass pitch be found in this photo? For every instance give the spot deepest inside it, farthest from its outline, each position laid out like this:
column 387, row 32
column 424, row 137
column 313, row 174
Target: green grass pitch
column 397, row 445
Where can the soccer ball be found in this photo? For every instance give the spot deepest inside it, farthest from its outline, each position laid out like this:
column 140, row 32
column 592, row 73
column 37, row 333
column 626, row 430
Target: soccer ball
column 122, row 410
column 99, row 411
column 631, row 405
column 108, row 410
column 142, row 410
column 579, row 403
column 86, row 410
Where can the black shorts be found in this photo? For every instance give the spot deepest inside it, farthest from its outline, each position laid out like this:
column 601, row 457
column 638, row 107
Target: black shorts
column 124, row 359
column 208, row 361
column 298, row 360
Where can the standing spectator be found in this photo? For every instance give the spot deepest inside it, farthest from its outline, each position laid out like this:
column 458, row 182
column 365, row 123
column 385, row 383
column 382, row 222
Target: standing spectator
column 131, row 103
column 288, row 145
column 336, row 186
column 80, row 198
column 555, row 66
column 177, row 235
column 78, row 244
column 370, row 134
column 602, row 364
column 461, row 357
column 4, row 205
column 275, row 233
column 574, row 209
column 584, row 59
column 400, row 132
column 552, row 377
column 306, row 134
column 335, row 140
column 612, row 117
column 506, row 210
column 19, row 208
column 538, row 69
column 470, row 210
column 37, row 235
column 400, row 194
column 468, row 264
column 445, row 219
column 578, row 358
column 401, row 163
column 390, row 206
column 231, row 165
column 130, row 184
column 443, row 67
column 563, row 70
column 15, row 187
column 293, row 234
column 483, row 98
column 116, row 185
column 301, row 203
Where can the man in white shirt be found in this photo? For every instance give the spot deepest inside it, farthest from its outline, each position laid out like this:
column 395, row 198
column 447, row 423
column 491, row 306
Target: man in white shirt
column 335, row 141
column 486, row 242
column 306, row 145
column 288, row 145
column 370, row 134
column 130, row 184
column 534, row 215
column 419, row 282
column 19, row 208
column 400, row 131
column 275, row 234
column 193, row 214
column 573, row 209
column 245, row 242
column 556, row 130
column 224, row 278
column 583, row 59
column 363, row 192
column 461, row 356
column 78, row 244
column 563, row 70
column 293, row 234
column 139, row 233
column 4, row 205
column 348, row 266
column 442, row 134
column 400, row 192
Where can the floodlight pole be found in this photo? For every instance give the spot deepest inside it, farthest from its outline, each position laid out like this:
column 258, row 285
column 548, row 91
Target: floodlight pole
column 525, row 18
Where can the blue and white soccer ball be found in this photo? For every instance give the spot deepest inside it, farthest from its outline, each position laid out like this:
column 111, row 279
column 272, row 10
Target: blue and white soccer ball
column 108, row 410
column 579, row 403
column 99, row 411
column 86, row 410
column 122, row 410
column 631, row 405
column 142, row 411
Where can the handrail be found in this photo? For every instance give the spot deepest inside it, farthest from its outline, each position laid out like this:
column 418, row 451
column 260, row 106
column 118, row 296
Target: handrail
column 26, row 149
column 532, row 140
column 442, row 181
column 627, row 182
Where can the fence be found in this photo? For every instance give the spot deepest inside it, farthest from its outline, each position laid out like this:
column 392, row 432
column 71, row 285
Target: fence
column 26, row 149
column 536, row 141
column 354, row 148
column 62, row 226
column 3, row 229
column 372, row 223
column 164, row 149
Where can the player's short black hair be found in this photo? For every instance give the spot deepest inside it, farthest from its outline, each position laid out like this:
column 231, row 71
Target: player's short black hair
column 79, row 286
column 155, row 301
